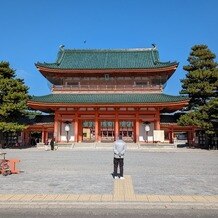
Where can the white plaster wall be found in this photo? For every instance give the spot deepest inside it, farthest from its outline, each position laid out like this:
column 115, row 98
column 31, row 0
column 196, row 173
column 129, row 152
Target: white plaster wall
column 70, row 133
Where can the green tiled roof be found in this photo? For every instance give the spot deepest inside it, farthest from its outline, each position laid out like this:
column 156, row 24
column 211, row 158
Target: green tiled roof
column 107, row 98
column 107, row 59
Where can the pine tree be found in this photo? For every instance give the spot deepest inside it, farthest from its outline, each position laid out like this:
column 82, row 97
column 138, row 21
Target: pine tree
column 201, row 85
column 13, row 99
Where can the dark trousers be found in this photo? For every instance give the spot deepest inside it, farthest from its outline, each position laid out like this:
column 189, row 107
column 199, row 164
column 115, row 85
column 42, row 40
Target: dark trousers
column 52, row 146
column 118, row 162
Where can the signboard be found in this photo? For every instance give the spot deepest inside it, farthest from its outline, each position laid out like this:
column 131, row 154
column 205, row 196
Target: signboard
column 158, row 135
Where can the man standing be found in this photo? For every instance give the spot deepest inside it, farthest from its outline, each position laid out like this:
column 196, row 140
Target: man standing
column 52, row 144
column 119, row 151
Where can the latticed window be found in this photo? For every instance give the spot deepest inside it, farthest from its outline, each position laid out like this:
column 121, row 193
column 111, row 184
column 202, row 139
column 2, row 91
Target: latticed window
column 90, row 124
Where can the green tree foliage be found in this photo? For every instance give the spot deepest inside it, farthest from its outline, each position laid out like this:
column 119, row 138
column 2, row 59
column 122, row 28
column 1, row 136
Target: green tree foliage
column 13, row 99
column 201, row 85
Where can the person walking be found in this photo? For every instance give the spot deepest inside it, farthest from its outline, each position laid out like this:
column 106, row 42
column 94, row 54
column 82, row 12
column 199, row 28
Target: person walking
column 119, row 151
column 52, row 142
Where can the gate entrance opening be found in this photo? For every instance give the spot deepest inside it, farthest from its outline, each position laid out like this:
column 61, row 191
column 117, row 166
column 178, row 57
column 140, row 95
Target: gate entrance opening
column 88, row 131
column 107, row 131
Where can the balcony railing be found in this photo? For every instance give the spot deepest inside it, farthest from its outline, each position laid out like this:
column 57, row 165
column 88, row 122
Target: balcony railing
column 110, row 88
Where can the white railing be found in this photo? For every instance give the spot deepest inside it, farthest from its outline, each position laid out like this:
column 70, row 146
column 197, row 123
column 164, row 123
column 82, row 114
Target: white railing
column 114, row 88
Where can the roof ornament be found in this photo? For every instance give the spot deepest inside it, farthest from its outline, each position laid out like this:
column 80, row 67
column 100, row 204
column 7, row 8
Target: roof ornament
column 62, row 47
column 154, row 57
column 61, row 54
column 154, row 46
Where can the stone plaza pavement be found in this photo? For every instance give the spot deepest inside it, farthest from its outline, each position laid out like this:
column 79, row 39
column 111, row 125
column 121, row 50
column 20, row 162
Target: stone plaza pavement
column 75, row 176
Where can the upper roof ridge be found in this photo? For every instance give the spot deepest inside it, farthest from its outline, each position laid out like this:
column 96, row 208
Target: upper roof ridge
column 108, row 50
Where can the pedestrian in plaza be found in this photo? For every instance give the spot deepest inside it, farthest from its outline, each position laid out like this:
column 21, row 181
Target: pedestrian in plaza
column 119, row 151
column 46, row 145
column 52, row 142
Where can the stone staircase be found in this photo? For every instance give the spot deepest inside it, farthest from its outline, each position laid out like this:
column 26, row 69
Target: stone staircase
column 156, row 145
column 109, row 145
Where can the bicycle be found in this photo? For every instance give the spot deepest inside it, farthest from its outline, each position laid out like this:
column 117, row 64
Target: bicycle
column 4, row 166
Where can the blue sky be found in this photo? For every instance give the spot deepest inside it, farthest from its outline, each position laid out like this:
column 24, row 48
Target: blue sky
column 32, row 30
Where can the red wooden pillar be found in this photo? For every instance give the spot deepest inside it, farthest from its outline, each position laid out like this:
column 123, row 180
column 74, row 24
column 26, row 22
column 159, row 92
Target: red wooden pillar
column 137, row 126
column 76, row 127
column 27, row 137
column 116, row 125
column 171, row 136
column 191, row 137
column 157, row 124
column 46, row 135
column 96, row 127
column 157, row 120
column 43, row 135
column 55, row 126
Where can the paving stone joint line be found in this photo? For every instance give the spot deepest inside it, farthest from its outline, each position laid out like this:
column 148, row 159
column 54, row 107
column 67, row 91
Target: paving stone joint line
column 123, row 192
